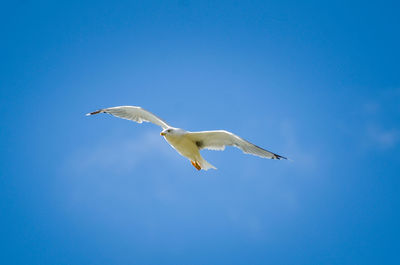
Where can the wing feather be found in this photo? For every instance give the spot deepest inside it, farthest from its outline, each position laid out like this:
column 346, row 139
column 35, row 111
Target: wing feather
column 217, row 140
column 133, row 113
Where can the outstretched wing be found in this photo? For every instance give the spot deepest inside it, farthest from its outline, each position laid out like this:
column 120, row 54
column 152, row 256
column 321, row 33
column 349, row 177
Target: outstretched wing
column 133, row 113
column 217, row 140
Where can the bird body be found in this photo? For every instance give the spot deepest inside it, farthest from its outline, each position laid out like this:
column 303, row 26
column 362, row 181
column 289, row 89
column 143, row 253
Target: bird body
column 186, row 147
column 189, row 144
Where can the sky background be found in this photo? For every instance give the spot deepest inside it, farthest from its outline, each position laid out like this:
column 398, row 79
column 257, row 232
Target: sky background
column 314, row 81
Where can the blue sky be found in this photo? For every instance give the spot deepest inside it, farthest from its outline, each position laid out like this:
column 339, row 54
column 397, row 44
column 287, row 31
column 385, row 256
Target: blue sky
column 314, row 81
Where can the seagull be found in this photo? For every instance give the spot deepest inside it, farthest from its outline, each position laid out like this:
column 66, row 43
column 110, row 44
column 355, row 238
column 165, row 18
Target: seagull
column 186, row 143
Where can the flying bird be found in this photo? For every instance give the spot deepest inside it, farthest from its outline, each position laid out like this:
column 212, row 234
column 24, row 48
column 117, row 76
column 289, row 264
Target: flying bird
column 186, row 143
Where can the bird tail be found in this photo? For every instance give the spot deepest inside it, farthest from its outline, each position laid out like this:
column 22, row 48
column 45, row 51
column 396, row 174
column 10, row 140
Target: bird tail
column 205, row 165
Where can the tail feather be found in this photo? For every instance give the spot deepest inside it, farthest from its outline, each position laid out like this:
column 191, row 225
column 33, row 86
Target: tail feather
column 205, row 165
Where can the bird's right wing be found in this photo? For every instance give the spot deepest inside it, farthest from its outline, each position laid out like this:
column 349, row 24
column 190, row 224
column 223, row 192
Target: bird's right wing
column 217, row 140
column 133, row 113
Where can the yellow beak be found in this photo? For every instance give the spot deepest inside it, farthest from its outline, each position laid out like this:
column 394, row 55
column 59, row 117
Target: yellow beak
column 162, row 134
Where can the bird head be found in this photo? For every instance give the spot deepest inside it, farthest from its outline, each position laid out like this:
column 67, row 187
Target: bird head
column 172, row 131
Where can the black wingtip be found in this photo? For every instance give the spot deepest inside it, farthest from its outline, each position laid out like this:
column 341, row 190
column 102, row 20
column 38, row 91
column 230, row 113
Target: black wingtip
column 94, row 112
column 278, row 157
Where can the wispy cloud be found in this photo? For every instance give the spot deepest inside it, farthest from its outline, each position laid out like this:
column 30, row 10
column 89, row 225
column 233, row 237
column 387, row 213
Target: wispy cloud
column 121, row 155
column 383, row 138
column 381, row 129
column 304, row 157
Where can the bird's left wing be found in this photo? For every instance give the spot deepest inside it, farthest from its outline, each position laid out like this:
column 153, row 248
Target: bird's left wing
column 133, row 113
column 217, row 140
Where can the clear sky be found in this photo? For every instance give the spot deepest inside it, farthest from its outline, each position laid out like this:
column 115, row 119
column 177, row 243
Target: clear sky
column 317, row 82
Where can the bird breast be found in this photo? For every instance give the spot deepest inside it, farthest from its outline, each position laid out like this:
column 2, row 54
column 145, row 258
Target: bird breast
column 183, row 145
